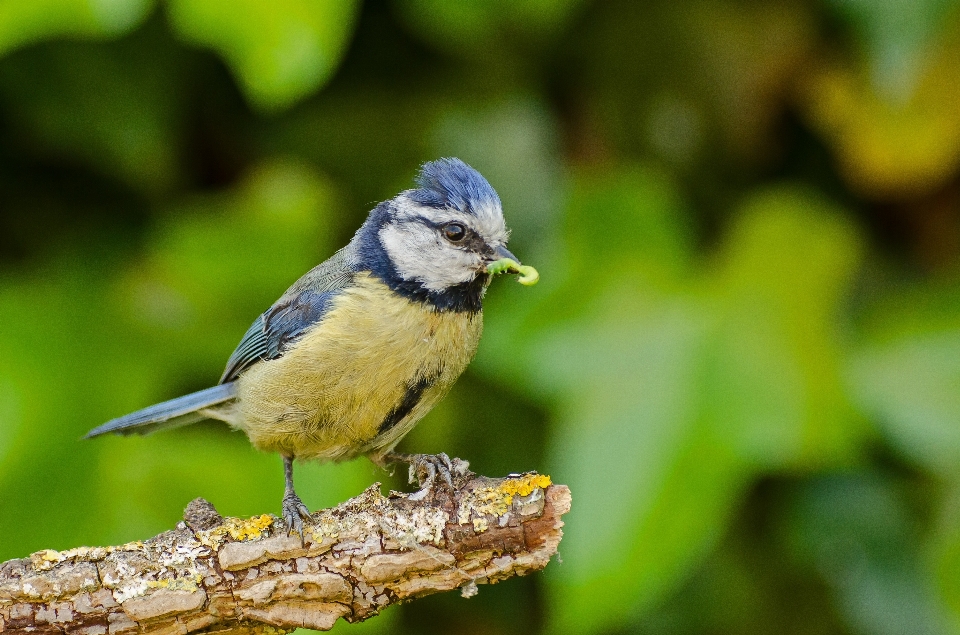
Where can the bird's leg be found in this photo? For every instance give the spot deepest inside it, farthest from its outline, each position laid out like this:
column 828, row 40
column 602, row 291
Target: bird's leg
column 426, row 469
column 294, row 511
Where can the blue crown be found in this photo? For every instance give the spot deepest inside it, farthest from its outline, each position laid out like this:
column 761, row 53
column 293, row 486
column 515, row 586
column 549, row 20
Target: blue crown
column 452, row 183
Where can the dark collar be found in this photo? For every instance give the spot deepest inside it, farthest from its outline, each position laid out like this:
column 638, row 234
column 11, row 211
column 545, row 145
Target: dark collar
column 465, row 297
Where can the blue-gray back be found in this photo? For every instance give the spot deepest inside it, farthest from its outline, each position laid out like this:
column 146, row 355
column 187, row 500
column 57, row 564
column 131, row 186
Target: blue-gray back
column 302, row 306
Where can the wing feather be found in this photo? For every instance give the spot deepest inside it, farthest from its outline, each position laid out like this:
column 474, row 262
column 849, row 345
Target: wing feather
column 169, row 414
column 302, row 306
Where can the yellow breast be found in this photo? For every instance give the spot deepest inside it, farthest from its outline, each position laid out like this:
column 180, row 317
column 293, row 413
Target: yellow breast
column 345, row 388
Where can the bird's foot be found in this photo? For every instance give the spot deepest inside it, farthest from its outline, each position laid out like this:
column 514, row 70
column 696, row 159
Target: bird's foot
column 427, row 469
column 294, row 513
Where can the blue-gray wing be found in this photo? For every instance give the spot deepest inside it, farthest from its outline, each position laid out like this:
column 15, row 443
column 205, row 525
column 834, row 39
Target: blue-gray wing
column 301, row 307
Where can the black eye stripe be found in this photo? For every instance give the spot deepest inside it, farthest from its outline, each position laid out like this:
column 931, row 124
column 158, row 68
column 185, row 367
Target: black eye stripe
column 471, row 239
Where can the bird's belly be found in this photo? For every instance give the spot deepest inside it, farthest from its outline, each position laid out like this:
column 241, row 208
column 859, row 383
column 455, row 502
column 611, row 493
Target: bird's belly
column 360, row 379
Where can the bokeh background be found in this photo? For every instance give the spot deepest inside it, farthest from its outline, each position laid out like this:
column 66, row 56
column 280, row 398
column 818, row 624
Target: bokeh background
column 743, row 355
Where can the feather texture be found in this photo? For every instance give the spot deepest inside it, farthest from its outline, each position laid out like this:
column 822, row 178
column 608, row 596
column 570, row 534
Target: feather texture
column 168, row 414
column 359, row 380
column 303, row 305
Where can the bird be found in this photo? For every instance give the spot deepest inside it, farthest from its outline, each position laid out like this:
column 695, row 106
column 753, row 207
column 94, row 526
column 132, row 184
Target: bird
column 362, row 346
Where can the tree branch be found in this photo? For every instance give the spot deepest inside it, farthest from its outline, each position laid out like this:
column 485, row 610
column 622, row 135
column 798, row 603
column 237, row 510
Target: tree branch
column 228, row 575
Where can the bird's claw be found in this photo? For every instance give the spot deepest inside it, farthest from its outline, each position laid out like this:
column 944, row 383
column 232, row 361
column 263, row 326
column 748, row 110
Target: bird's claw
column 427, row 469
column 294, row 513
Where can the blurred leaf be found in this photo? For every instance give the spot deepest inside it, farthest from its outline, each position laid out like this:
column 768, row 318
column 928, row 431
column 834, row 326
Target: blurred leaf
column 481, row 27
column 746, row 58
column 860, row 534
column 625, row 221
column 944, row 554
column 907, row 375
column 280, row 51
column 652, row 489
column 682, row 394
column 10, row 417
column 775, row 375
column 24, row 22
column 628, row 219
column 59, row 338
column 895, row 35
column 616, row 343
column 747, row 585
column 913, row 389
column 891, row 148
column 112, row 106
column 700, row 83
column 371, row 151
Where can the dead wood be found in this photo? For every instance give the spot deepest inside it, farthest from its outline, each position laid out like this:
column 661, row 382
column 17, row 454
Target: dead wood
column 230, row 575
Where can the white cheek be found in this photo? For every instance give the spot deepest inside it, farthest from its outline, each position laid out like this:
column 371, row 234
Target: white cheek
column 419, row 254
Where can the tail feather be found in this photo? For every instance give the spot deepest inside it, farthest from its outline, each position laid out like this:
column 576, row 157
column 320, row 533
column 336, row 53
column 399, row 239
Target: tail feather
column 169, row 414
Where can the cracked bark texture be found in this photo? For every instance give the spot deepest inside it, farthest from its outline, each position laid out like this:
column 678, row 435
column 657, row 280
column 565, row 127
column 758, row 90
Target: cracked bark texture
column 230, row 575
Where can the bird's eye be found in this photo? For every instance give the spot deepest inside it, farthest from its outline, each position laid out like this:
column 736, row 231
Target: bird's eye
column 455, row 232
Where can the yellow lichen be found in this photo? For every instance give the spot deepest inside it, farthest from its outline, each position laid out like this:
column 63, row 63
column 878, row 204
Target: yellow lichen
column 237, row 528
column 136, row 545
column 49, row 558
column 190, row 583
column 523, row 486
column 249, row 529
column 496, row 500
column 46, row 559
column 88, row 553
column 325, row 527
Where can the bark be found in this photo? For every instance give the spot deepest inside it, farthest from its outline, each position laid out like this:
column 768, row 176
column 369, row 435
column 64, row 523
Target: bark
column 230, row 575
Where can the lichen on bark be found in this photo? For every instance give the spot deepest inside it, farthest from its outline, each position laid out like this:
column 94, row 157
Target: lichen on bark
column 230, row 575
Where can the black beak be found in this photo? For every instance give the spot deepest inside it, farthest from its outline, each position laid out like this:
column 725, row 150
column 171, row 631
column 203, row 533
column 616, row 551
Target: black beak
column 503, row 252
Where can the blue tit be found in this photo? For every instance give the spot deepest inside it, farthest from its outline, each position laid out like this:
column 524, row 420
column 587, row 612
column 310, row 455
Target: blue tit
column 361, row 347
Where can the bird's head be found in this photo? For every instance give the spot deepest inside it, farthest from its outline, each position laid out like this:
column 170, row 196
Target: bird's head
column 441, row 240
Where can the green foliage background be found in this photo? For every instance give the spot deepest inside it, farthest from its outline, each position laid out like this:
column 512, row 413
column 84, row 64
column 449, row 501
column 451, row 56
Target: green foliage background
column 743, row 357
